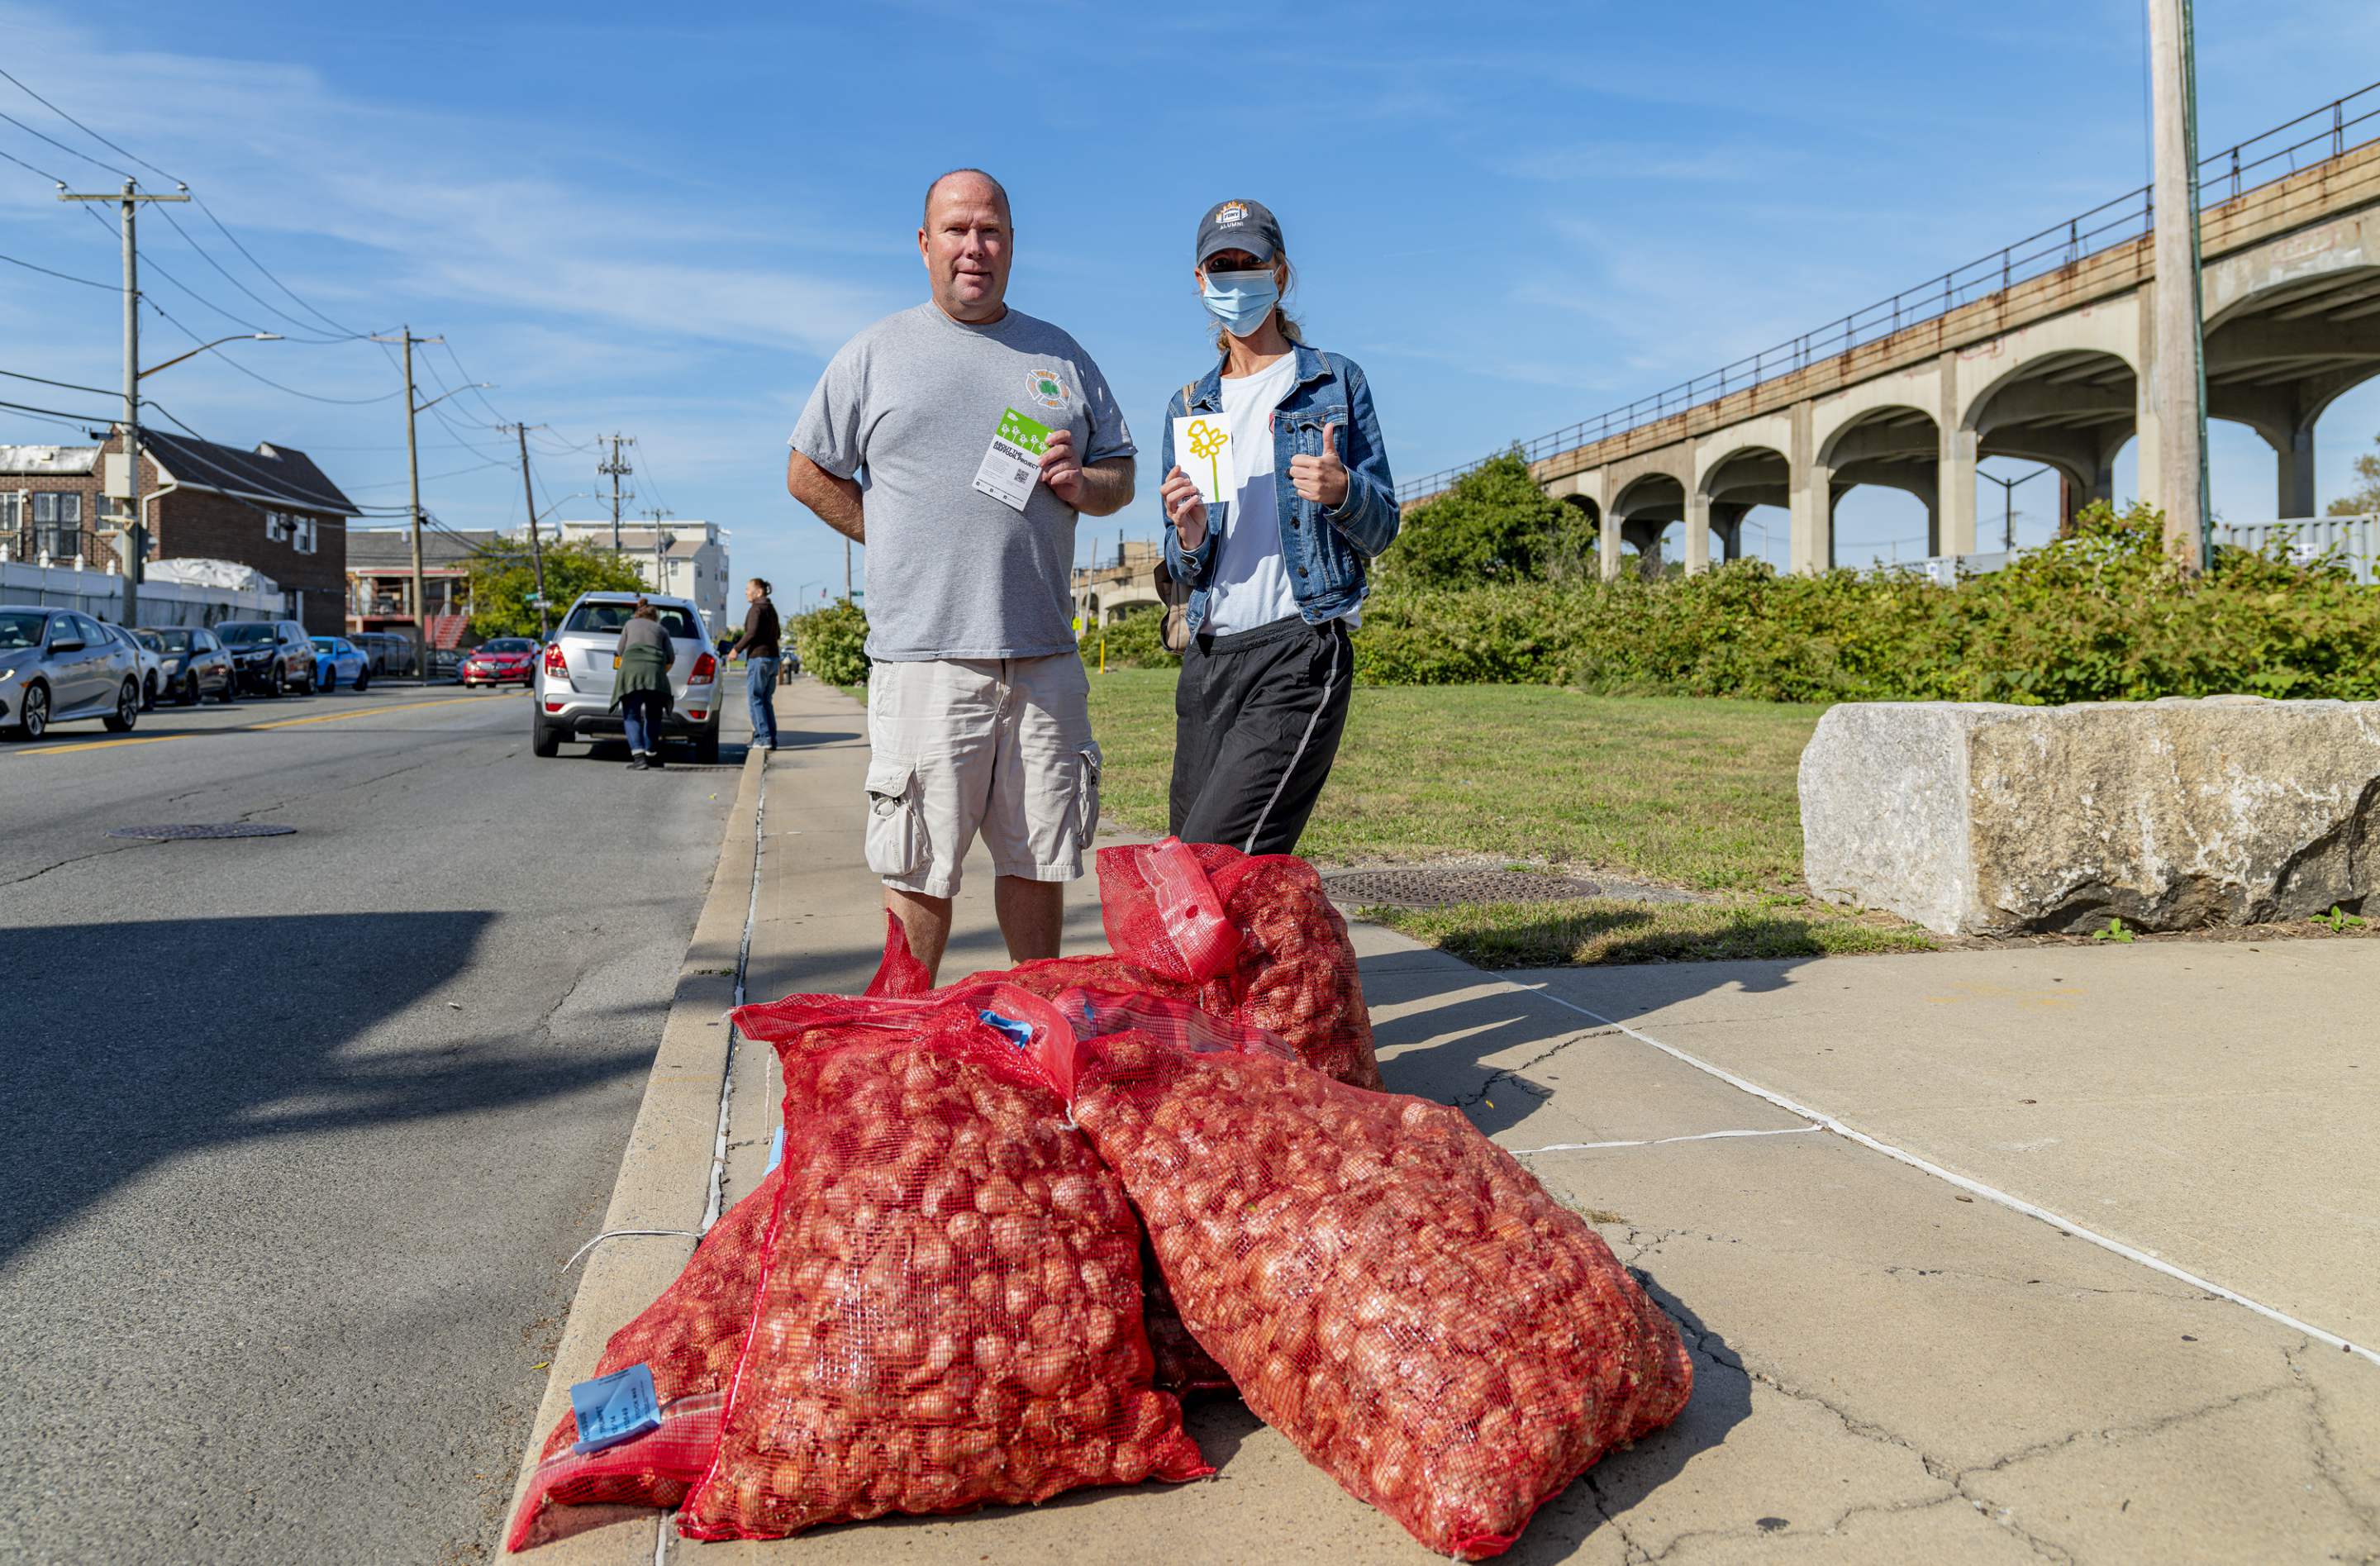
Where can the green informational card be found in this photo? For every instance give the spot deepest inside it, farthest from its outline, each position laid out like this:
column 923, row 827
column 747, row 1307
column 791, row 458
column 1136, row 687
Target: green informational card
column 1018, row 429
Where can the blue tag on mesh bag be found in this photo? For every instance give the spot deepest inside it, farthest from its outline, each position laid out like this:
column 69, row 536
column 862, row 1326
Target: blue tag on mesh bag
column 615, row 1408
column 1019, row 1033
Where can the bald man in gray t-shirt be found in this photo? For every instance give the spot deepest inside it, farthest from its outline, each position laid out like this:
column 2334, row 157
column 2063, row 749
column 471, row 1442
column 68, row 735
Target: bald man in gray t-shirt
column 978, row 716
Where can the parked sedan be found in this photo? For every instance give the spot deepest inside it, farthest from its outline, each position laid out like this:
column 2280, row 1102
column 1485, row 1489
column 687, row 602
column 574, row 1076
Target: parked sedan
column 195, row 664
column 506, row 661
column 335, row 656
column 56, row 666
column 152, row 662
column 270, row 655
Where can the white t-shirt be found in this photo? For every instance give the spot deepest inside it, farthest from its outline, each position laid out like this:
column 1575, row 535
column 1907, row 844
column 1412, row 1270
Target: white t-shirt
column 1250, row 586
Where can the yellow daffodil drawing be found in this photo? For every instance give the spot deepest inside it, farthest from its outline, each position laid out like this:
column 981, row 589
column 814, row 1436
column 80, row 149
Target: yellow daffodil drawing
column 1208, row 440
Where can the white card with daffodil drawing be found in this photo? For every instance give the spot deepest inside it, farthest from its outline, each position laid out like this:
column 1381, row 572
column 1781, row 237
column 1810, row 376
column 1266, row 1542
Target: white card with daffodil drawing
column 1202, row 448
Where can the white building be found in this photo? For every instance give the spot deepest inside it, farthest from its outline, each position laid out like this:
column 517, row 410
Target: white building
column 688, row 559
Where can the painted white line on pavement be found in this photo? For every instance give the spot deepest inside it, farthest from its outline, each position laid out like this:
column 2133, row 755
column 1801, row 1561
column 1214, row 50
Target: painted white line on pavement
column 1665, row 1141
column 1975, row 1187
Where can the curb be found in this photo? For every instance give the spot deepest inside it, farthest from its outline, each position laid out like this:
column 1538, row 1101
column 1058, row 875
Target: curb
column 666, row 1174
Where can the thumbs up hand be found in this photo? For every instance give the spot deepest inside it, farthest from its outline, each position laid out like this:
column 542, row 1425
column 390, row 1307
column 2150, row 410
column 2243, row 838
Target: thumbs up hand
column 1321, row 478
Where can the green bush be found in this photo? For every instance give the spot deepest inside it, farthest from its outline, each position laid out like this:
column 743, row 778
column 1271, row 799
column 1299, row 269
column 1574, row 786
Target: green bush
column 2100, row 616
column 1134, row 640
column 1493, row 525
column 832, row 643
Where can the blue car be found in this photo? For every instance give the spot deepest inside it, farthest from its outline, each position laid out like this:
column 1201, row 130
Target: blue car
column 336, row 659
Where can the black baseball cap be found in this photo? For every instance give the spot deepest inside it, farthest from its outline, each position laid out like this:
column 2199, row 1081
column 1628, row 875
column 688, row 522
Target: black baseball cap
column 1239, row 225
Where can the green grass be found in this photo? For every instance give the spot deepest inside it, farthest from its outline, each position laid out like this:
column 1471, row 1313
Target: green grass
column 1686, row 791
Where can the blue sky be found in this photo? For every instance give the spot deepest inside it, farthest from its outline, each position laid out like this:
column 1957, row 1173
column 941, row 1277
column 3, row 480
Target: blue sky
column 1512, row 217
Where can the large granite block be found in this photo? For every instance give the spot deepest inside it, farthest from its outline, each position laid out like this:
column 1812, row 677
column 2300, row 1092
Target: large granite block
column 1974, row 818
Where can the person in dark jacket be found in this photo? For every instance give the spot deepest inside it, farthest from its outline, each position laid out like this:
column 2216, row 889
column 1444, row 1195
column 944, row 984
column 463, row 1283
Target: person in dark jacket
column 640, row 688
column 758, row 643
column 1279, row 563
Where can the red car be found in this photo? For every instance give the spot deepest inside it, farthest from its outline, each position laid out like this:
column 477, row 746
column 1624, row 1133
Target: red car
column 507, row 660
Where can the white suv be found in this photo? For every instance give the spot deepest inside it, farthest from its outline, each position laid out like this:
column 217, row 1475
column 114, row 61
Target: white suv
column 575, row 669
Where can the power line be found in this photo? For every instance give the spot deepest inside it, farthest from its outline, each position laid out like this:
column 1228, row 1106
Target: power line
column 60, row 413
column 259, row 266
column 86, row 129
column 65, row 276
column 30, row 169
column 12, row 119
column 309, row 396
column 314, row 334
column 64, row 386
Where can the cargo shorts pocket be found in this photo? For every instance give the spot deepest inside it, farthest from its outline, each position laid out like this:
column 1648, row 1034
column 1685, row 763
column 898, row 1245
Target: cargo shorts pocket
column 896, row 821
column 1087, row 793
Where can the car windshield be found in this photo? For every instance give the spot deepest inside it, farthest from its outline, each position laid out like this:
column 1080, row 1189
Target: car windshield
column 240, row 634
column 20, row 629
column 509, row 644
column 602, row 617
column 326, row 643
column 167, row 641
column 148, row 640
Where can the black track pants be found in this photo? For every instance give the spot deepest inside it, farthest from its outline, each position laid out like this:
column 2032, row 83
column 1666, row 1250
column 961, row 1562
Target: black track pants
column 1257, row 721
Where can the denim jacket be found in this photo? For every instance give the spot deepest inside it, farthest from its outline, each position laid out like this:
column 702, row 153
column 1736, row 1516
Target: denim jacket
column 1324, row 547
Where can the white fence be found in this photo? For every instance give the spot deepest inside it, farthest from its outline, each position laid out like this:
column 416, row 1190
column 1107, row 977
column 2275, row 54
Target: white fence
column 2353, row 540
column 100, row 594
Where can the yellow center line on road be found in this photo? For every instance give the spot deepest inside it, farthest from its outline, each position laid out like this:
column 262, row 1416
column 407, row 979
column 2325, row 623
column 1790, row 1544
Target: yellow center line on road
column 245, row 728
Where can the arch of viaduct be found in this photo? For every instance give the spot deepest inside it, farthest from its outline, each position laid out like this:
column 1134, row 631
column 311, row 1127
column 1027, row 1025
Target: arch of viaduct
column 2052, row 370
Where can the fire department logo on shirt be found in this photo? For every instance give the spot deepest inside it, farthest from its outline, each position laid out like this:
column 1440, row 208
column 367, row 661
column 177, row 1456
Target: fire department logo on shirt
column 1047, row 388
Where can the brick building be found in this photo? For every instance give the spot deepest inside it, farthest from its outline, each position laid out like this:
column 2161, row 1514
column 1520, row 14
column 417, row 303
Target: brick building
column 270, row 508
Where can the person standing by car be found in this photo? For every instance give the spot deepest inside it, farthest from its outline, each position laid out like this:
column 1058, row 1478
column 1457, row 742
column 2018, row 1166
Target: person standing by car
column 757, row 642
column 1278, row 569
column 985, row 432
column 640, row 687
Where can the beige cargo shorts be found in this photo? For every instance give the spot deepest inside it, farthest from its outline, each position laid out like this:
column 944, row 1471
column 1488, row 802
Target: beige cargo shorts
column 1001, row 747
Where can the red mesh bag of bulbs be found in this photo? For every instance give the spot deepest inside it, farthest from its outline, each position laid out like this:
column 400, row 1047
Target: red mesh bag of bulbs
column 1288, row 966
column 691, row 1337
column 948, row 1312
column 1384, row 1285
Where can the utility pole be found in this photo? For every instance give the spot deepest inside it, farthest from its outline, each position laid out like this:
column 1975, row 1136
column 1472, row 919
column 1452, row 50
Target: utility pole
column 846, row 570
column 2178, row 387
column 413, row 481
column 133, row 541
column 661, row 556
column 616, row 467
column 536, row 554
column 2008, row 495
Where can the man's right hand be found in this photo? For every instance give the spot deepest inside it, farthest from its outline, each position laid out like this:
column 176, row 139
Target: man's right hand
column 1184, row 508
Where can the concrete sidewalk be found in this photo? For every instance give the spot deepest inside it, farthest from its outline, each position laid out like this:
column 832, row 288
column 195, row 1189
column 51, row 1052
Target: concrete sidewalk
column 1892, row 1364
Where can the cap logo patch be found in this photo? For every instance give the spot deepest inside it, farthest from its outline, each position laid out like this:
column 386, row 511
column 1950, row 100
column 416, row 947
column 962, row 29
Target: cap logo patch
column 1046, row 388
column 1231, row 213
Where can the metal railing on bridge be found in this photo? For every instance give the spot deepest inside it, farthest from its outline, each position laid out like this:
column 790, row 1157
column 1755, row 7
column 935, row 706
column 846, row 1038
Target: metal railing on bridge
column 2312, row 137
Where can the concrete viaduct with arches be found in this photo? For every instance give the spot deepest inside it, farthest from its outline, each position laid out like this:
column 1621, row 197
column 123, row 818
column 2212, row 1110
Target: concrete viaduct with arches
column 2051, row 368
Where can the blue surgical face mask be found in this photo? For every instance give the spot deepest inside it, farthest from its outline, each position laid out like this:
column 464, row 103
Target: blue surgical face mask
column 1242, row 300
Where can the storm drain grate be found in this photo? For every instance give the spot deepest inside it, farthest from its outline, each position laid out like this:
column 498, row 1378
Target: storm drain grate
column 1440, row 886
column 204, row 828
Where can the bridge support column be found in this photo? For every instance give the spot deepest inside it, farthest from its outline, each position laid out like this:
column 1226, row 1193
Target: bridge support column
column 1727, row 526
column 1608, row 539
column 2297, row 473
column 1814, row 519
column 1954, row 496
column 1698, row 518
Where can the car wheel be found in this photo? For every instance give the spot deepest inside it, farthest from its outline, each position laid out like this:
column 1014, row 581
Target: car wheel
column 34, row 721
column 186, row 691
column 706, row 746
column 127, row 709
column 230, row 692
column 148, row 693
column 363, row 681
column 279, row 684
column 544, row 739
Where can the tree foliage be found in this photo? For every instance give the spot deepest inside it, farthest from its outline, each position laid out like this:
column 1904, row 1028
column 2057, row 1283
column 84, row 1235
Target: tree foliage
column 2364, row 499
column 832, row 643
column 503, row 577
column 1493, row 526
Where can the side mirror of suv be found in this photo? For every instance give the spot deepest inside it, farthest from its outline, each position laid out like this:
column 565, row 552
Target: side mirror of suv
column 66, row 644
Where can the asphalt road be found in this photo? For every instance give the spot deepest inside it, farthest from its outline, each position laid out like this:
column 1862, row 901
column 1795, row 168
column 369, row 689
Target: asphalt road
column 296, row 1132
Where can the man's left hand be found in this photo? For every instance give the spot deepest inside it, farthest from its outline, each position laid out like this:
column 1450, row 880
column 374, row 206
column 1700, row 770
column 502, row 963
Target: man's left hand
column 1060, row 469
column 1321, row 478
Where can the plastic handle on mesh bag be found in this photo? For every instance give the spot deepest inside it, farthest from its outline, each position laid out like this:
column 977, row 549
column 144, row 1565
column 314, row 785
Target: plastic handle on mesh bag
column 1051, row 1045
column 1193, row 915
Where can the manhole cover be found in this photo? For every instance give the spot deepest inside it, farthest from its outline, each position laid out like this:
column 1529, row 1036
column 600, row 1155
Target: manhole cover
column 204, row 828
column 1435, row 888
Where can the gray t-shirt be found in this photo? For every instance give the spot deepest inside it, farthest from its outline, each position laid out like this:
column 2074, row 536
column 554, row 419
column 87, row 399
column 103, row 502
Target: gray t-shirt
column 915, row 400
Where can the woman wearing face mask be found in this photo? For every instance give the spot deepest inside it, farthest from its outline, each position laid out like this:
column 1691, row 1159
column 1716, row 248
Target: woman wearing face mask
column 1278, row 564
